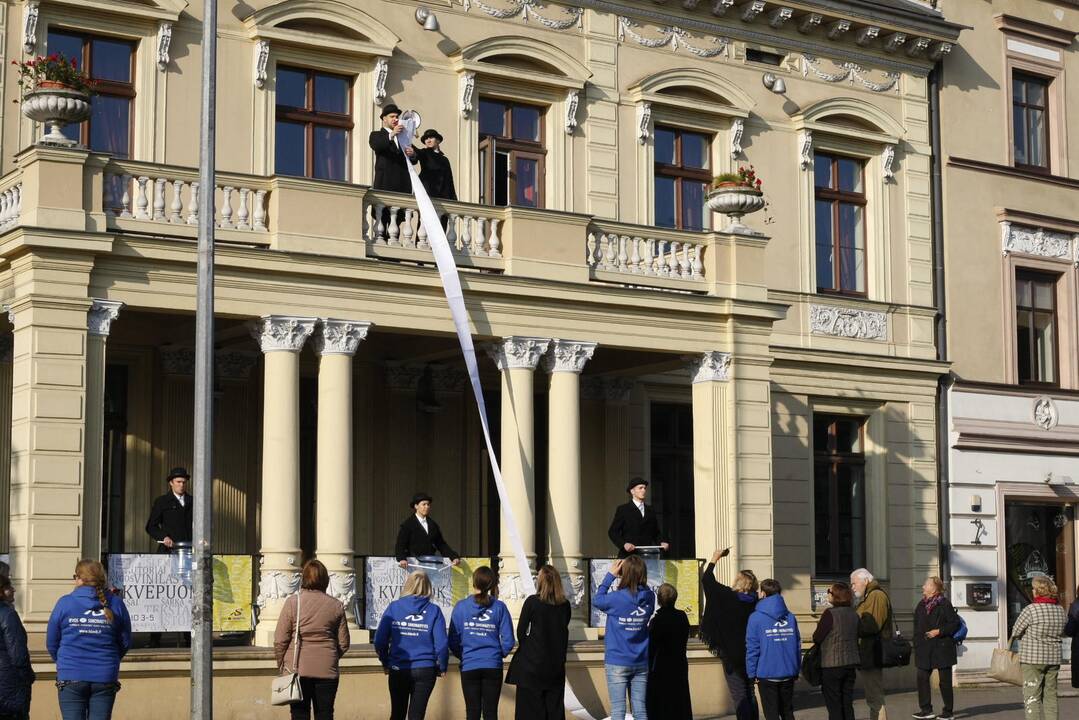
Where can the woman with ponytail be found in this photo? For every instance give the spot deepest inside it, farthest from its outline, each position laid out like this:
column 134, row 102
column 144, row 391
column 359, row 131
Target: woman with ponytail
column 481, row 635
column 89, row 632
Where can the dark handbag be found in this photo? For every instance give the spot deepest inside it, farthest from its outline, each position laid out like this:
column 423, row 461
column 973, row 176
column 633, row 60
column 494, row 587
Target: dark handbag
column 895, row 650
column 812, row 672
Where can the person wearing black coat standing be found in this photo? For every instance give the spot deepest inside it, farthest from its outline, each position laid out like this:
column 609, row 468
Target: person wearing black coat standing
column 538, row 668
column 420, row 535
column 723, row 629
column 391, row 168
column 16, row 675
column 435, row 173
column 935, row 622
column 171, row 515
column 1071, row 629
column 635, row 524
column 668, row 695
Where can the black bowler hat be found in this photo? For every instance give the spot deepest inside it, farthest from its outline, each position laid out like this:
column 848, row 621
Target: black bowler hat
column 420, row 497
column 178, row 472
column 430, row 133
column 635, row 482
column 391, row 108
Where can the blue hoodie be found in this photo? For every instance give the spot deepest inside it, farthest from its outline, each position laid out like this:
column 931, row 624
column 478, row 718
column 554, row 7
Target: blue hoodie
column 627, row 623
column 81, row 640
column 412, row 633
column 773, row 643
column 481, row 636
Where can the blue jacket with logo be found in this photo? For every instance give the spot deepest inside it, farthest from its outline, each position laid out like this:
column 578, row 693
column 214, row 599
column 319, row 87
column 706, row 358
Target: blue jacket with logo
column 628, row 614
column 773, row 643
column 412, row 634
column 481, row 635
column 82, row 641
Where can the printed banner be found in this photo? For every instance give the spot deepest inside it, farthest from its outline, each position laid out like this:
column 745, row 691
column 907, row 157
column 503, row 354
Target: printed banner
column 384, row 579
column 683, row 574
column 232, row 593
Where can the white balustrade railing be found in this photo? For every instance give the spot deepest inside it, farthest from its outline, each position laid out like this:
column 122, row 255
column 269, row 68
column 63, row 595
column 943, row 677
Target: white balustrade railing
column 170, row 198
column 10, row 205
column 645, row 257
column 470, row 234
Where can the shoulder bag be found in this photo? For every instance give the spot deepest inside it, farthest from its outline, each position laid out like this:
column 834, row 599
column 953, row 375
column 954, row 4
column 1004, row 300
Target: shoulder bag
column 1004, row 667
column 811, row 666
column 895, row 650
column 285, row 690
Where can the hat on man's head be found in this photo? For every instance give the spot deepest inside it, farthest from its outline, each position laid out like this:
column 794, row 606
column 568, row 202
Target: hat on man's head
column 635, row 482
column 430, row 133
column 420, row 497
column 388, row 109
column 178, row 472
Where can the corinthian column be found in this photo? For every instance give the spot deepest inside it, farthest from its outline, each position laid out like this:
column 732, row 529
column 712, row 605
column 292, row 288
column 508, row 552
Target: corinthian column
column 98, row 323
column 714, row 497
column 564, row 363
column 336, row 343
column 281, row 338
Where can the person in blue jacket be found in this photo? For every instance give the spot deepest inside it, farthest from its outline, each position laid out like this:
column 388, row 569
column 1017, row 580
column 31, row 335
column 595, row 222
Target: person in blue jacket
column 89, row 633
column 481, row 635
column 625, row 657
column 411, row 644
column 773, row 652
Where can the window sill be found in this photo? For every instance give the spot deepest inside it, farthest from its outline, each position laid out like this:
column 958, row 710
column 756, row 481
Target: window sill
column 1011, row 171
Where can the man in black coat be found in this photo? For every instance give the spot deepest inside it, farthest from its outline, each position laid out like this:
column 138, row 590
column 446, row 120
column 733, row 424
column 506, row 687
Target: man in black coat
column 391, row 170
column 436, row 173
column 420, row 535
column 635, row 523
column 171, row 516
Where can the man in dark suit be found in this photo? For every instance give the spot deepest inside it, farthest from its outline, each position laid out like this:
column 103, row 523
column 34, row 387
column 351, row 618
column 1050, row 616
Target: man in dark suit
column 635, row 524
column 420, row 535
column 436, row 173
column 171, row 516
column 391, row 170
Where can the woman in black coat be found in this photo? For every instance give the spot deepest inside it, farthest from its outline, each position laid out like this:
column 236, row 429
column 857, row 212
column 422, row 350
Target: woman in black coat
column 538, row 668
column 723, row 629
column 1071, row 629
column 16, row 675
column 668, row 668
column 935, row 622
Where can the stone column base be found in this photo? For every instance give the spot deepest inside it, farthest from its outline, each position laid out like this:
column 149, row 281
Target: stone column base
column 275, row 585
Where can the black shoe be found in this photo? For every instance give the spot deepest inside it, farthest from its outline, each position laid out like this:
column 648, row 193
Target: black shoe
column 924, row 716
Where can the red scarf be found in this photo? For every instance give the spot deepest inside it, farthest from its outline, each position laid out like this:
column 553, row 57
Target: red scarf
column 1045, row 600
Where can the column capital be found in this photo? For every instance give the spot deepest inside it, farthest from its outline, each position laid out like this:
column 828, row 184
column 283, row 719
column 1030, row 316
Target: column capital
column 568, row 356
column 100, row 316
column 518, row 351
column 339, row 337
column 711, row 366
column 614, row 389
column 282, row 332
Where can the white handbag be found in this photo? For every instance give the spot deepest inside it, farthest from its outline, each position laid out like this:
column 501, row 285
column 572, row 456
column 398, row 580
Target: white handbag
column 285, row 690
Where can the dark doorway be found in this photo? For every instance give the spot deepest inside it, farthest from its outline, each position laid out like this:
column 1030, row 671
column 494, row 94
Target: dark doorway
column 114, row 459
column 672, row 476
column 1040, row 540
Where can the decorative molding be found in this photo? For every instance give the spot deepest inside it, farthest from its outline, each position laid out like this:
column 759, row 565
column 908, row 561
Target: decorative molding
column 164, row 42
column 527, row 10
column 1030, row 240
column 838, row 29
column 447, row 379
column 611, row 389
column 778, row 17
column 402, row 377
column 573, row 587
column 712, row 366
column 887, row 157
column 342, row 587
column 262, row 59
column 867, row 35
column 751, row 10
column 518, row 352
column 382, row 70
column 848, row 322
column 672, row 36
column 339, row 337
column 939, row 50
column 720, row 7
column 644, row 122
column 276, row 585
column 232, row 364
column 285, row 333
column 1043, row 412
column 805, row 149
column 850, row 71
column 568, row 356
column 809, row 23
column 573, row 97
column 690, row 4
column 918, row 47
column 738, row 127
column 100, row 316
column 177, row 360
column 894, row 41
column 468, row 87
column 29, row 26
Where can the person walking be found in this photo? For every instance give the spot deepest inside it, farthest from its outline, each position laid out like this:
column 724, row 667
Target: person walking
column 16, row 675
column 723, row 629
column 1071, row 629
column 89, row 632
column 773, row 651
column 481, row 636
column 837, row 636
column 625, row 657
column 412, row 645
column 874, row 609
column 668, row 667
column 324, row 639
column 935, row 622
column 538, row 668
column 1039, row 629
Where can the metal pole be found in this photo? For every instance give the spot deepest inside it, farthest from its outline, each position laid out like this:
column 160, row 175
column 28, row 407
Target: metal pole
column 202, row 661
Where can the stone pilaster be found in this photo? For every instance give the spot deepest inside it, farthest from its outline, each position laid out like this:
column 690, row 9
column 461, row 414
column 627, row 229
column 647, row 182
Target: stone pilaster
column 98, row 322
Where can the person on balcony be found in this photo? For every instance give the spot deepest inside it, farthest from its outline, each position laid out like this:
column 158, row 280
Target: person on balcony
column 171, row 516
column 420, row 535
column 436, row 173
column 635, row 524
column 391, row 170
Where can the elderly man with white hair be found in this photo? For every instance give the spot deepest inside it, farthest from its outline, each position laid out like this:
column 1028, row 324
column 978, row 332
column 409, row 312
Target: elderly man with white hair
column 874, row 617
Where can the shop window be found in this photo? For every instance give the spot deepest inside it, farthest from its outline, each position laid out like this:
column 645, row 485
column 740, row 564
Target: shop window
column 1036, row 328
column 839, row 489
column 1030, row 121
column 109, row 62
column 511, row 153
column 314, row 124
column 681, row 177
column 840, row 217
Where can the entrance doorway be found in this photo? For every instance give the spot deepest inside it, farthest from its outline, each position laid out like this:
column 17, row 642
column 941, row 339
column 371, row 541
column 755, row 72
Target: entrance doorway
column 1039, row 539
column 672, row 476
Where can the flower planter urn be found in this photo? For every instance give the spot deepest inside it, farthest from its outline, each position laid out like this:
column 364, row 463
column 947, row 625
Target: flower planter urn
column 735, row 200
column 56, row 105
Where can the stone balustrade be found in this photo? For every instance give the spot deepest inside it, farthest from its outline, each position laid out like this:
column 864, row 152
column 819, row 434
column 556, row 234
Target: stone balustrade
column 641, row 255
column 10, row 200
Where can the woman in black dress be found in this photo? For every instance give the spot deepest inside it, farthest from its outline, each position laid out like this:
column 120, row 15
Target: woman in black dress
column 538, row 668
column 668, row 667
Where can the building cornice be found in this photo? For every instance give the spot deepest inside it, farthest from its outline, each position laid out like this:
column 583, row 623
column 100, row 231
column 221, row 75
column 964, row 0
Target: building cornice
column 1036, row 30
column 1008, row 170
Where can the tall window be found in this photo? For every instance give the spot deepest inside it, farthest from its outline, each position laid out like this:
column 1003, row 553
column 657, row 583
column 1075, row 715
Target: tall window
column 511, row 153
column 838, row 494
column 840, row 224
column 681, row 178
column 109, row 61
column 1030, row 120
column 1035, row 327
column 314, row 123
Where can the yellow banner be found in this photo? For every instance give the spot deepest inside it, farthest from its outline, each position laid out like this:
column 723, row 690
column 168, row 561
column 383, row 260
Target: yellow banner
column 232, row 593
column 462, row 576
column 683, row 575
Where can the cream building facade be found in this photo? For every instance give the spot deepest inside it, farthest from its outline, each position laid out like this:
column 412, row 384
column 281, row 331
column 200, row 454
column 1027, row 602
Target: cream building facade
column 777, row 385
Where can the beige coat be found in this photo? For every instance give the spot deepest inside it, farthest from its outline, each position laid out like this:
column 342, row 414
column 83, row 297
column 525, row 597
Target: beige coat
column 323, row 634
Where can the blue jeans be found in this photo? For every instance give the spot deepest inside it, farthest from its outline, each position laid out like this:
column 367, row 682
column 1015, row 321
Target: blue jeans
column 81, row 700
column 618, row 677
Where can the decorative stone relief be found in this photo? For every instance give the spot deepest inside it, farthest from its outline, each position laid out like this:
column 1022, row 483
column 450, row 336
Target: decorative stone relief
column 917, row 47
column 778, row 17
column 809, row 23
column 644, row 122
column 518, row 352
column 612, row 389
column 720, row 7
column 848, row 322
column 867, row 35
column 342, row 587
column 164, row 42
column 276, row 585
column 894, row 41
column 711, row 366
column 751, row 10
column 573, row 587
column 282, row 332
column 262, row 58
column 939, row 50
column 232, row 364
column 838, row 29
column 1038, row 241
column 100, row 316
column 674, row 37
column 887, row 157
column 177, row 360
column 690, row 4
column 738, row 126
column 339, row 337
column 1044, row 412
column 29, row 26
column 382, row 70
column 568, row 356
column 468, row 87
column 849, row 71
column 572, row 99
column 402, row 377
column 527, row 10
column 447, row 379
column 805, row 149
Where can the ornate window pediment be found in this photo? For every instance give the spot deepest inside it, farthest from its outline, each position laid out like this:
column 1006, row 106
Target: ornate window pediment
column 853, row 118
column 507, row 56
column 695, row 90
column 324, row 24
column 149, row 9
